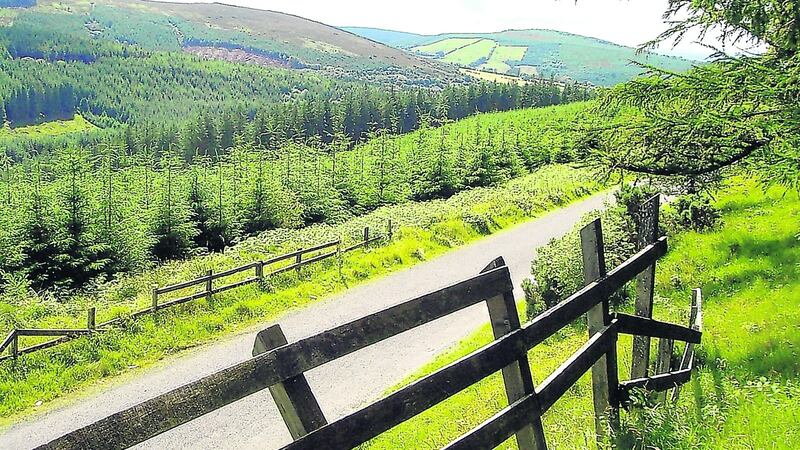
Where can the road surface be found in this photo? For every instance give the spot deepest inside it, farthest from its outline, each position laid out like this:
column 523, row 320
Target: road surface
column 341, row 386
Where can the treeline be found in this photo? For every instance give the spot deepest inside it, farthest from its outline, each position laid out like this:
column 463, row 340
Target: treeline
column 31, row 105
column 354, row 117
column 74, row 218
column 163, row 87
column 167, row 108
column 55, row 37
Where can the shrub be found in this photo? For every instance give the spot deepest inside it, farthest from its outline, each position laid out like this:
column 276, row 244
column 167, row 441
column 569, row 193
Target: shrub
column 631, row 197
column 558, row 267
column 693, row 212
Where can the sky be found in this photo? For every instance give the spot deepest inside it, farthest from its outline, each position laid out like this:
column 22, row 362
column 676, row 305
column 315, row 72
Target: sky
column 626, row 22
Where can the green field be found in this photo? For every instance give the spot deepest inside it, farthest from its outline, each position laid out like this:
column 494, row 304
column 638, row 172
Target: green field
column 426, row 229
column 472, row 53
column 501, row 56
column 467, row 51
column 747, row 392
column 445, row 46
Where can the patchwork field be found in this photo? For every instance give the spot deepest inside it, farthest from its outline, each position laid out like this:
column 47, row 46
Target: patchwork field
column 445, row 46
column 493, row 77
column 534, row 52
column 472, row 53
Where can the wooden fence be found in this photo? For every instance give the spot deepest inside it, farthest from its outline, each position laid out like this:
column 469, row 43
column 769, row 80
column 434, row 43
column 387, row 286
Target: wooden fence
column 207, row 282
column 280, row 367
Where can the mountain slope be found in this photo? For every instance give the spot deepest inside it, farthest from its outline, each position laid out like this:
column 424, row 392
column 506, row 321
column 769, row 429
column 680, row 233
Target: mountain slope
column 541, row 53
column 238, row 34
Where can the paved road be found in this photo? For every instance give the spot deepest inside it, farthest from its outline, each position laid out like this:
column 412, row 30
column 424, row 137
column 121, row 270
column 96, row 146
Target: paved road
column 360, row 378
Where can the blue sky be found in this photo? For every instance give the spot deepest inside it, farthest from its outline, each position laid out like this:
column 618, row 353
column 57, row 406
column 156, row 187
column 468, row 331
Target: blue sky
column 626, row 22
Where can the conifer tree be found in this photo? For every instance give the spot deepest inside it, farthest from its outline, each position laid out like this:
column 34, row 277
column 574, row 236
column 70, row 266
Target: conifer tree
column 172, row 230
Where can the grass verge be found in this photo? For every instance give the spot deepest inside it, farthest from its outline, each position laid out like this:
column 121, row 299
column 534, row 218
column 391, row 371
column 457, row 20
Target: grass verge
column 427, row 230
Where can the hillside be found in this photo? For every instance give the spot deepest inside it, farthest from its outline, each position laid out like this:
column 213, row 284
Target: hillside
column 530, row 53
column 242, row 35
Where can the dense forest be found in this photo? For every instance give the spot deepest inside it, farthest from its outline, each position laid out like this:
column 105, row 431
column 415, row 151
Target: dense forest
column 350, row 110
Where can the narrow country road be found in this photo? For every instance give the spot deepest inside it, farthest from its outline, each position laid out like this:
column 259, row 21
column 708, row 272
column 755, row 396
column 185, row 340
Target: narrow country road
column 341, row 386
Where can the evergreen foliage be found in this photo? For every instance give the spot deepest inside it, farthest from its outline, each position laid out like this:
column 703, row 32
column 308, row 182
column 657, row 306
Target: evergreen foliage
column 94, row 214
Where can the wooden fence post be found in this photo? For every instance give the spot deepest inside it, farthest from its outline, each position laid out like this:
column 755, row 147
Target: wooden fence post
column 296, row 402
column 260, row 270
column 664, row 361
column 389, row 231
column 647, row 233
column 298, row 260
column 209, row 284
column 15, row 346
column 688, row 352
column 90, row 319
column 516, row 376
column 366, row 237
column 154, row 297
column 605, row 382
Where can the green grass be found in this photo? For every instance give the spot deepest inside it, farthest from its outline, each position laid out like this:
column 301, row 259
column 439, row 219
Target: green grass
column 746, row 394
column 465, row 56
column 54, row 128
column 445, row 46
column 426, row 230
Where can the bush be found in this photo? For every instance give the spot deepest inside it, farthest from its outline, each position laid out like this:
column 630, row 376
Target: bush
column 693, row 212
column 558, row 267
column 631, row 197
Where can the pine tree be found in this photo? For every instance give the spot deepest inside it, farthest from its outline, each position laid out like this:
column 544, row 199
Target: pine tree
column 41, row 254
column 171, row 228
column 210, row 230
column 84, row 257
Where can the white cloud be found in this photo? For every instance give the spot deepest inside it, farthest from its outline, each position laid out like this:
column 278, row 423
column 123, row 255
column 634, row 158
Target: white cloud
column 626, row 22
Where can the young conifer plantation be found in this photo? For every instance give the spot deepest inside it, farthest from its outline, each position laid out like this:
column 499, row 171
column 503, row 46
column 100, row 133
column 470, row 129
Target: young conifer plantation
column 79, row 213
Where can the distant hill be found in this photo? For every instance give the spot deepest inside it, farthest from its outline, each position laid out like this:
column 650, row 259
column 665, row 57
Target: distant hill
column 534, row 53
column 239, row 34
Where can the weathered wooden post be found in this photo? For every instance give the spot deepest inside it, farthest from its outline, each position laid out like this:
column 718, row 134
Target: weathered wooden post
column 90, row 319
column 15, row 345
column 695, row 323
column 647, row 233
column 366, row 237
column 516, row 376
column 298, row 260
column 209, row 284
column 154, row 297
column 605, row 380
column 295, row 400
column 260, row 271
column 664, row 361
column 389, row 230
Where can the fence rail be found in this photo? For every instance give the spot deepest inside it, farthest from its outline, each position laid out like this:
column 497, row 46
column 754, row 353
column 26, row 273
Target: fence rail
column 207, row 281
column 280, row 366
